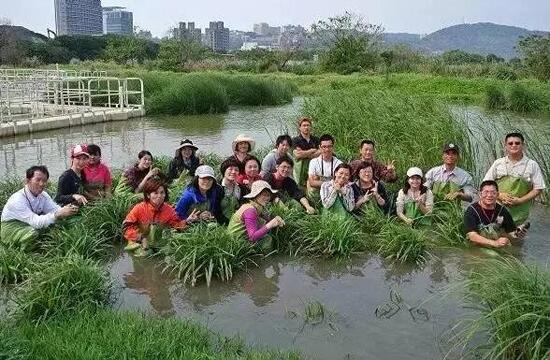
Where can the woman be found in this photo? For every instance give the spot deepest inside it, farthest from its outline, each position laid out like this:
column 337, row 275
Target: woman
column 134, row 178
column 70, row 184
column 415, row 201
column 337, row 194
column 140, row 228
column 289, row 192
column 251, row 218
column 250, row 174
column 184, row 161
column 368, row 194
column 204, row 196
column 231, row 189
column 98, row 176
column 242, row 146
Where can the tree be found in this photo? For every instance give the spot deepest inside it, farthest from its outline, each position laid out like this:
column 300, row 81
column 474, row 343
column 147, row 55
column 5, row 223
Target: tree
column 536, row 52
column 174, row 54
column 352, row 44
column 458, row 57
column 124, row 49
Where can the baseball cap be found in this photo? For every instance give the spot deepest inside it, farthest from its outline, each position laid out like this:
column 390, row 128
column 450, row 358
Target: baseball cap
column 204, row 171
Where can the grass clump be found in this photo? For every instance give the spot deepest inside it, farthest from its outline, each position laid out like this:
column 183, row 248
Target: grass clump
column 106, row 216
column 75, row 238
column 282, row 236
column 15, row 265
column 522, row 99
column 403, row 243
column 7, row 188
column 494, row 98
column 448, row 224
column 107, row 334
column 254, row 91
column 65, row 285
column 205, row 251
column 327, row 235
column 514, row 302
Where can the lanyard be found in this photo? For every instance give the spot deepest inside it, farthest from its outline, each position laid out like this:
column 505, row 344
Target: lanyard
column 29, row 202
column 331, row 167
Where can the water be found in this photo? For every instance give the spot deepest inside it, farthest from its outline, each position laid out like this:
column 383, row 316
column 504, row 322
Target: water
column 266, row 305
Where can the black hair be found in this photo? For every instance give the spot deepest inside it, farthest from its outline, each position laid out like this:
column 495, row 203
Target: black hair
column 227, row 163
column 286, row 159
column 514, row 134
column 488, row 183
column 30, row 171
column 326, row 137
column 282, row 138
column 142, row 153
column 407, row 186
column 363, row 165
column 365, row 142
column 251, row 157
column 93, row 149
column 343, row 166
column 195, row 184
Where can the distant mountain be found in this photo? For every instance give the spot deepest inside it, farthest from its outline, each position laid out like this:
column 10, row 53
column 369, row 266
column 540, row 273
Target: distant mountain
column 479, row 38
column 19, row 33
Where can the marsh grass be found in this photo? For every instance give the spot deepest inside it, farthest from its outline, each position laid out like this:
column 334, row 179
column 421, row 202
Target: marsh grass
column 327, row 235
column 403, row 243
column 283, row 237
column 75, row 239
column 104, row 218
column 513, row 300
column 66, row 285
column 448, row 224
column 108, row 334
column 7, row 188
column 15, row 265
column 495, row 98
column 205, row 251
column 522, row 99
column 372, row 221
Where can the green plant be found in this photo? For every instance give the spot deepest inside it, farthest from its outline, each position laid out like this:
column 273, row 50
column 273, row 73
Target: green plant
column 75, row 238
column 494, row 98
column 205, row 251
column 7, row 188
column 524, row 100
column 15, row 265
column 448, row 224
column 403, row 243
column 282, row 236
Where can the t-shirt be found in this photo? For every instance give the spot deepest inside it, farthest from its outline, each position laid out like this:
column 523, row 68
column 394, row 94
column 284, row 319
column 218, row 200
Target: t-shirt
column 303, row 144
column 475, row 216
column 97, row 177
column 286, row 185
column 322, row 168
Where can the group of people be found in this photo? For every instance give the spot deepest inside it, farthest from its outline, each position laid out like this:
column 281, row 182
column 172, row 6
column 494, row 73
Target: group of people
column 300, row 173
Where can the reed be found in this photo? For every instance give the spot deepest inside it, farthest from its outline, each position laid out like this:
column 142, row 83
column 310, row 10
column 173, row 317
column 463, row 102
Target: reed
column 403, row 243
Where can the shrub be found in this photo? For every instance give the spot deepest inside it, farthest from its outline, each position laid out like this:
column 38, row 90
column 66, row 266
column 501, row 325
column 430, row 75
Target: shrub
column 494, row 98
column 524, row 100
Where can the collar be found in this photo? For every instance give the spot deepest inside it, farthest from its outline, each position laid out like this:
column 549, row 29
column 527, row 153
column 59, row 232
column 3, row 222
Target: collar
column 27, row 192
column 508, row 160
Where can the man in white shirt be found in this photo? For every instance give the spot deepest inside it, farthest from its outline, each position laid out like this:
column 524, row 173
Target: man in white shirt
column 30, row 209
column 322, row 168
column 520, row 179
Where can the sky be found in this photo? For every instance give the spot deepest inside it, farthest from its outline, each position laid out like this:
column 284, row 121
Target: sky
column 412, row 16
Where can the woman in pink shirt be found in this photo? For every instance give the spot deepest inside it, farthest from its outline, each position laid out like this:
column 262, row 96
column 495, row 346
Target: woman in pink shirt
column 98, row 181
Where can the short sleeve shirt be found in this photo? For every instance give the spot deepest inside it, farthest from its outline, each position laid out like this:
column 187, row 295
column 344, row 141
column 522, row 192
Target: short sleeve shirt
column 322, row 168
column 476, row 216
column 303, row 144
column 525, row 168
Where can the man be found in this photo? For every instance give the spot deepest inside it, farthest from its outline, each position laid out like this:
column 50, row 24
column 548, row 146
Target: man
column 322, row 167
column 519, row 178
column 282, row 146
column 448, row 181
column 306, row 147
column 488, row 223
column 385, row 173
column 30, row 209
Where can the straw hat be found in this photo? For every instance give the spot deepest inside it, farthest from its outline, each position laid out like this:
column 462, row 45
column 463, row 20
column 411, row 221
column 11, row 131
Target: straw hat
column 243, row 138
column 257, row 187
column 414, row 171
column 187, row 143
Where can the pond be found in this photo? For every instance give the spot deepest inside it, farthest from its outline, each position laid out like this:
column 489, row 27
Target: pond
column 267, row 305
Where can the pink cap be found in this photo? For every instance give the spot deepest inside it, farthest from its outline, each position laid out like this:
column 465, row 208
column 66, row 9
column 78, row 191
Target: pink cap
column 81, row 149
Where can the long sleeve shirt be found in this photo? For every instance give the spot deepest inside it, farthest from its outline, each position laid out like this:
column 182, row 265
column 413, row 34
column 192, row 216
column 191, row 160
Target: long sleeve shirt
column 69, row 184
column 145, row 214
column 329, row 193
column 251, row 220
column 457, row 176
column 192, row 196
column 37, row 211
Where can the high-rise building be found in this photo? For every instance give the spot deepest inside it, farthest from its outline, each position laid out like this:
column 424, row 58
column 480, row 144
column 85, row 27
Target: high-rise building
column 188, row 31
column 78, row 17
column 265, row 30
column 116, row 20
column 217, row 36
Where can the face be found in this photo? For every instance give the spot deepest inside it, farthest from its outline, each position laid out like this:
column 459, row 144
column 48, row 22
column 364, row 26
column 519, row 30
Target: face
column 283, row 147
column 205, row 184
column 251, row 168
column 514, row 146
column 80, row 161
column 157, row 197
column 284, row 169
column 94, row 159
column 326, row 148
column 231, row 173
column 263, row 198
column 367, row 152
column 305, row 128
column 488, row 195
column 415, row 181
column 37, row 183
column 145, row 162
column 243, row 147
column 342, row 176
column 366, row 175
column 450, row 157
column 186, row 152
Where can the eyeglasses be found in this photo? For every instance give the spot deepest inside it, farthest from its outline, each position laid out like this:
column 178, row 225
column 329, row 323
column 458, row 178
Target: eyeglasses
column 326, row 146
column 514, row 143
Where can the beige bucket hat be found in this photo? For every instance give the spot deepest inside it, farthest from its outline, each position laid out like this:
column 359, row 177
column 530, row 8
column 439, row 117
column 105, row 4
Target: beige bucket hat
column 243, row 138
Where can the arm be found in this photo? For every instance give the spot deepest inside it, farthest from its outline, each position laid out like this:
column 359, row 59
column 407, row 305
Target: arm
column 467, row 191
column 427, row 205
column 400, row 206
column 381, row 195
column 349, row 200
column 131, row 224
column 480, row 240
column 174, row 221
column 329, row 193
column 250, row 219
column 313, row 179
column 184, row 203
column 268, row 163
column 527, row 197
column 65, row 190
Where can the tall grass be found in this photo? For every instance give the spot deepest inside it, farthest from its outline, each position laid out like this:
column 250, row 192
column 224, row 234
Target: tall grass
column 107, row 334
column 75, row 239
column 283, row 237
column 205, row 251
column 524, row 100
column 403, row 243
column 15, row 265
column 448, row 224
column 495, row 98
column 251, row 90
column 7, row 188
column 514, row 302
column 67, row 285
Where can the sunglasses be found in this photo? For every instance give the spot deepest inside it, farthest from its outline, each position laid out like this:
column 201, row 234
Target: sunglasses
column 514, row 143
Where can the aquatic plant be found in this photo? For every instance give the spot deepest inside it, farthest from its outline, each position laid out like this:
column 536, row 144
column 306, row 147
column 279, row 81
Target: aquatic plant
column 15, row 265
column 513, row 310
column 105, row 217
column 403, row 243
column 448, row 224
column 372, row 221
column 205, row 251
column 254, row 90
column 524, row 100
column 327, row 235
column 494, row 98
column 66, row 285
column 75, row 238
column 7, row 188
column 283, row 237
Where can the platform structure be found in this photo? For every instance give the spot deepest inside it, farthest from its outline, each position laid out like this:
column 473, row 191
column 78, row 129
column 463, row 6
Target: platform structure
column 35, row 100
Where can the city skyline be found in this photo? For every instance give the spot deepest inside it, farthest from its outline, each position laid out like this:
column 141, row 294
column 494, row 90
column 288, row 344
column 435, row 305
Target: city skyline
column 394, row 16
